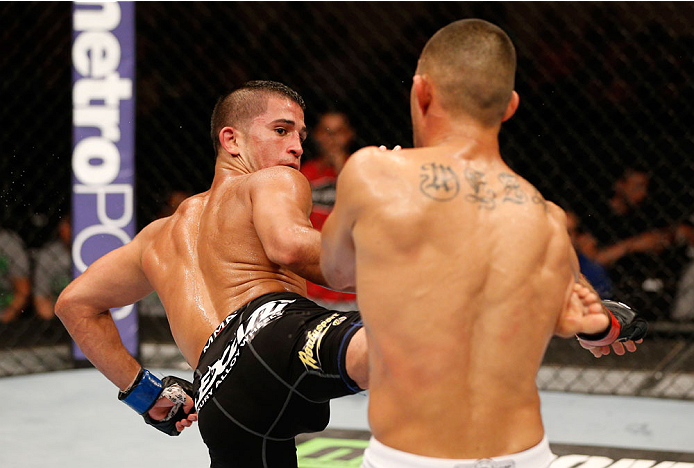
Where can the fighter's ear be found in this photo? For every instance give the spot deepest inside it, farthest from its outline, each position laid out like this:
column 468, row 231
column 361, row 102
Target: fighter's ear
column 511, row 107
column 228, row 138
column 422, row 90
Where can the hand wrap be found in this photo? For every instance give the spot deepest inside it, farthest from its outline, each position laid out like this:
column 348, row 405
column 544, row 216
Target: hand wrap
column 147, row 389
column 625, row 325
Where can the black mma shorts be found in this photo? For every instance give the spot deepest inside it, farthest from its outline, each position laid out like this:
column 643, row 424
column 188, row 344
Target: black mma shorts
column 267, row 374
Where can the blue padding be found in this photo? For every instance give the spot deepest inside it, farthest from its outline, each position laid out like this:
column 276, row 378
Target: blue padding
column 144, row 394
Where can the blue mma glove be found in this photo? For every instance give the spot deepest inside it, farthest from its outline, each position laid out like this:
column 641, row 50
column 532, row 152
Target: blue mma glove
column 625, row 325
column 147, row 389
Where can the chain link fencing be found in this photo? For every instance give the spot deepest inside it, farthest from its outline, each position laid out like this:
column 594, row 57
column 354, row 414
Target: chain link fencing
column 606, row 108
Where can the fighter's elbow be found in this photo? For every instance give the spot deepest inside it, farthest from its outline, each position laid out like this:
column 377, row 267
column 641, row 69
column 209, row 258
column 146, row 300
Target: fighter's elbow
column 66, row 305
column 62, row 305
column 337, row 278
column 340, row 283
column 294, row 247
column 286, row 254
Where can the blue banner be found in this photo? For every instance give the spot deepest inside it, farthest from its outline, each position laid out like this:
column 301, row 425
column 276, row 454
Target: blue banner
column 103, row 153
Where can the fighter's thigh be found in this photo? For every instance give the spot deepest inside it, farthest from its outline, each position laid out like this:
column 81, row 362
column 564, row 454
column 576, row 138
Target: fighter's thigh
column 246, row 401
column 323, row 354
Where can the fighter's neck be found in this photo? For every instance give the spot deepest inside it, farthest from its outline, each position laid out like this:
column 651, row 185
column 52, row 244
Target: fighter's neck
column 227, row 165
column 473, row 138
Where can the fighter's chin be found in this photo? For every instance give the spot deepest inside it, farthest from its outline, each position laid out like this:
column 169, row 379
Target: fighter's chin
column 292, row 165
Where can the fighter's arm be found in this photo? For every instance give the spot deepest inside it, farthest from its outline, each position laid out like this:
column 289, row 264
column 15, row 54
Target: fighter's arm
column 583, row 311
column 114, row 280
column 338, row 257
column 281, row 200
column 584, row 314
column 621, row 321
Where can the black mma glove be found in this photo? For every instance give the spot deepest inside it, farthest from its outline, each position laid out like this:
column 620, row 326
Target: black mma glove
column 147, row 389
column 625, row 325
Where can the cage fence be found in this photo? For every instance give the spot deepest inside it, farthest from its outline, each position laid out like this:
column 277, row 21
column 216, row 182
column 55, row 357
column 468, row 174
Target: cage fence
column 606, row 111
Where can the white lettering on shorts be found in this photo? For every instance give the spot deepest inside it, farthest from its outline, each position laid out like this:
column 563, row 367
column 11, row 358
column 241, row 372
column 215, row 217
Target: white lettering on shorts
column 218, row 330
column 218, row 371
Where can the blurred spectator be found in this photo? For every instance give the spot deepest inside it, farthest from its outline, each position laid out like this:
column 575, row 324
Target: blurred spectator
column 586, row 249
column 53, row 270
column 333, row 136
column 633, row 238
column 683, row 305
column 626, row 225
column 14, row 276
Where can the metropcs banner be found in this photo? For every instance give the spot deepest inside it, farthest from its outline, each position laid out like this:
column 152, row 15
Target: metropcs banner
column 103, row 154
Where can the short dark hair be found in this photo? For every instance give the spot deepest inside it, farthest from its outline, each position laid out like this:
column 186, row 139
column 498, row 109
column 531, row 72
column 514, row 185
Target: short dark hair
column 473, row 64
column 244, row 102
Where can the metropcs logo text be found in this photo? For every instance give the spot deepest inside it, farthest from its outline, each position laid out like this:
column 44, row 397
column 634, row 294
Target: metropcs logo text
column 97, row 94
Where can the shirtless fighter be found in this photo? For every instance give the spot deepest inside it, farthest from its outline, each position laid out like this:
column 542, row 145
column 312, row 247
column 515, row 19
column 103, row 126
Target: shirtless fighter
column 228, row 266
column 463, row 271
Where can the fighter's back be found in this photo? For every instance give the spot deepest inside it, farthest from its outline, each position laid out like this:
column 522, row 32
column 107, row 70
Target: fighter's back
column 460, row 289
column 207, row 260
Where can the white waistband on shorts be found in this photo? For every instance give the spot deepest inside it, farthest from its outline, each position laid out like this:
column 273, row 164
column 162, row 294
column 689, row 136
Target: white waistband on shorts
column 378, row 455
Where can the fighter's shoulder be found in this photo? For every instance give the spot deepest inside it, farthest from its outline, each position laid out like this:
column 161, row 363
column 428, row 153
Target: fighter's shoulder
column 278, row 178
column 551, row 209
column 369, row 155
column 556, row 215
column 367, row 163
column 184, row 220
column 152, row 230
column 277, row 174
column 555, row 211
